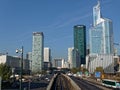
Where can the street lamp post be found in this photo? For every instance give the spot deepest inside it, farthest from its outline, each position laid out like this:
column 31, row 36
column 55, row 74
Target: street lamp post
column 21, row 65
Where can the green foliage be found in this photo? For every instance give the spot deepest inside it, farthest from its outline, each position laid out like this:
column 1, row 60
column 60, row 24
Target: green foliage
column 5, row 71
column 84, row 70
column 43, row 72
column 100, row 69
column 39, row 72
column 74, row 70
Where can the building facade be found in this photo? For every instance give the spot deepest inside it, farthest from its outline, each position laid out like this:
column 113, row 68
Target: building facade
column 101, row 33
column 71, row 55
column 58, row 62
column 29, row 57
column 47, row 54
column 15, row 63
column 80, row 42
column 101, row 43
column 37, row 52
column 47, row 58
column 106, row 61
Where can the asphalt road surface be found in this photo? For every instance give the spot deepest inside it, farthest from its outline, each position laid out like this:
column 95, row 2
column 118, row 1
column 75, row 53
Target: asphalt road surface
column 85, row 85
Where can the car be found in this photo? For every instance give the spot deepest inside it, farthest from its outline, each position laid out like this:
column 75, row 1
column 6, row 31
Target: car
column 74, row 75
column 69, row 74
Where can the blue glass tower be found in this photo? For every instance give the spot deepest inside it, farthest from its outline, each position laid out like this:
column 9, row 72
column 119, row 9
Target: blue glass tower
column 101, row 33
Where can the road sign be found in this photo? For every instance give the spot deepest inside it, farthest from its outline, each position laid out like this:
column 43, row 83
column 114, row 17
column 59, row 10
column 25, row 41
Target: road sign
column 97, row 74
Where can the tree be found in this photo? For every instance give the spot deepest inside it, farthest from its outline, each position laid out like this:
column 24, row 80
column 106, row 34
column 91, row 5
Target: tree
column 99, row 69
column 5, row 71
column 74, row 70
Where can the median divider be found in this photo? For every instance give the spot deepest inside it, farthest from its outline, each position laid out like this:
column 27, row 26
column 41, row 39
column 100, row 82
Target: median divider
column 51, row 82
column 74, row 86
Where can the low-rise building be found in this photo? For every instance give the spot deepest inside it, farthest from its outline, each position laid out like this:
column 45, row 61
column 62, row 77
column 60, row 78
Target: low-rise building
column 107, row 61
column 15, row 63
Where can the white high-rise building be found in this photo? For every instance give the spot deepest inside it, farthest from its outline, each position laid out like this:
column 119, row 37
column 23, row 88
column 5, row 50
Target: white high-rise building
column 37, row 52
column 47, row 58
column 47, row 54
column 70, row 57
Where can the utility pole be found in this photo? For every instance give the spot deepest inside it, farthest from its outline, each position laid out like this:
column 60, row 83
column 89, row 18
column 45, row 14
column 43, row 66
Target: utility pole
column 21, row 65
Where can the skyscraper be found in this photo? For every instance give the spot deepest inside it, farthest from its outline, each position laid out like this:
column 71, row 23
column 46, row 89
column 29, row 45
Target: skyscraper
column 47, row 58
column 71, row 61
column 29, row 57
column 80, row 42
column 101, row 43
column 37, row 52
column 47, row 54
column 101, row 33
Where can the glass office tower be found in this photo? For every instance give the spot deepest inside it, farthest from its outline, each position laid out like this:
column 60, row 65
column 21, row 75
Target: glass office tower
column 101, row 33
column 80, row 42
column 37, row 52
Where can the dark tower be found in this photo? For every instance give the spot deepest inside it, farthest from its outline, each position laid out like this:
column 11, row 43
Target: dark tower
column 80, row 42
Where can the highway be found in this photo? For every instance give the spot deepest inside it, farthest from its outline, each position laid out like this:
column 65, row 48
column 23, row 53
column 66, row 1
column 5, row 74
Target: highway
column 35, row 83
column 86, row 85
column 60, row 83
column 38, row 83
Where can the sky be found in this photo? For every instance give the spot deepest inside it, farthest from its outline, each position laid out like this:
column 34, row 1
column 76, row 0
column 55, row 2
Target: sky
column 55, row 18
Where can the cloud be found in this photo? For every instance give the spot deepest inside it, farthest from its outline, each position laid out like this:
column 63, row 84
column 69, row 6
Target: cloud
column 64, row 20
column 73, row 20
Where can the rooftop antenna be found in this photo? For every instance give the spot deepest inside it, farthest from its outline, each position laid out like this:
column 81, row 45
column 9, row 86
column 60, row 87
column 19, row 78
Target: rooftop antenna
column 98, row 2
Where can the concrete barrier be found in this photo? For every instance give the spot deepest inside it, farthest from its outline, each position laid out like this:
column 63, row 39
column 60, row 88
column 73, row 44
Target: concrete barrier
column 74, row 86
column 51, row 82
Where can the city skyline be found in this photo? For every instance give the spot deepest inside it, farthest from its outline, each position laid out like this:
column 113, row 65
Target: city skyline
column 19, row 19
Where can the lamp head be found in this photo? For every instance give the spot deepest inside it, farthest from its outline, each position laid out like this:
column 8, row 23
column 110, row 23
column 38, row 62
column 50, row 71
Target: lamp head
column 17, row 50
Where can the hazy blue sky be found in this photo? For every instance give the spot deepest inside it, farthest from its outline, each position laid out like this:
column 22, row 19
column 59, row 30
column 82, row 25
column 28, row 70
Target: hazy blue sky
column 55, row 18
